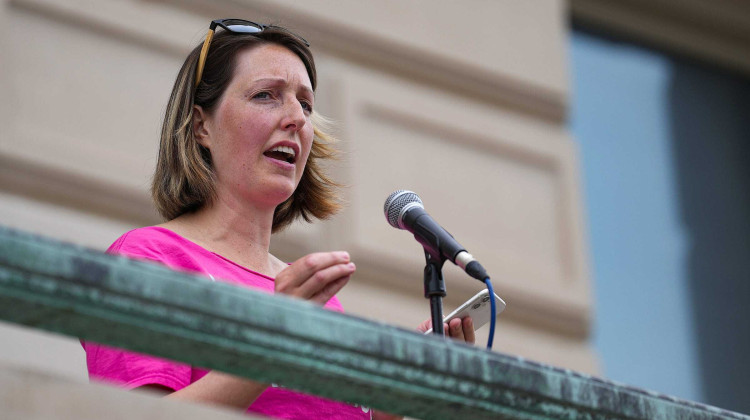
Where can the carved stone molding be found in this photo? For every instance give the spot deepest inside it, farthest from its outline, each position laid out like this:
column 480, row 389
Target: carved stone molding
column 143, row 23
column 354, row 41
column 716, row 31
column 64, row 187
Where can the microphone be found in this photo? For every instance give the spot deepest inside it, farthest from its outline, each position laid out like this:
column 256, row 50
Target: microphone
column 404, row 210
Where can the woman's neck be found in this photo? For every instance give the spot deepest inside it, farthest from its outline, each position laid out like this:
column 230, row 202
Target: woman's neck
column 240, row 235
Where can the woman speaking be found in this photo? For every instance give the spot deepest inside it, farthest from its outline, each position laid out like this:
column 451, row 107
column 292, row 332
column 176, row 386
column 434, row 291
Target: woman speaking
column 239, row 159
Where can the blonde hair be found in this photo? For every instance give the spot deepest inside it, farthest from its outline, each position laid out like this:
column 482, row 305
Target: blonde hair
column 184, row 179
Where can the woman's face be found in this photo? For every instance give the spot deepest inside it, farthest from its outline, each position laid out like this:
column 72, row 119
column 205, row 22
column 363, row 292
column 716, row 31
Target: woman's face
column 260, row 133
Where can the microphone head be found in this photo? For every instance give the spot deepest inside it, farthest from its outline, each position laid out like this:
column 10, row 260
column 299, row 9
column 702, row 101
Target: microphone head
column 397, row 204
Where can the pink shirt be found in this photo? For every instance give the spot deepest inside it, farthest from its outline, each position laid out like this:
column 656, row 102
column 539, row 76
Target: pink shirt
column 132, row 370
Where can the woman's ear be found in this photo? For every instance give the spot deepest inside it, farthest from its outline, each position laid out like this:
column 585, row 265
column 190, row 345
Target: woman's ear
column 200, row 130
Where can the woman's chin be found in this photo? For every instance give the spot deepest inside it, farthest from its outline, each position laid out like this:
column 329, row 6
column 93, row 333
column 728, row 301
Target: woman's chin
column 276, row 193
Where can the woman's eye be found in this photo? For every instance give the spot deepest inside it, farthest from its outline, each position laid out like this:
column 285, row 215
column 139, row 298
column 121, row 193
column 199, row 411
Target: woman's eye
column 307, row 106
column 262, row 95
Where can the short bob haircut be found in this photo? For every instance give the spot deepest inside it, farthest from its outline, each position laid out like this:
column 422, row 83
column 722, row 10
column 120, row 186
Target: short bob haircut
column 184, row 179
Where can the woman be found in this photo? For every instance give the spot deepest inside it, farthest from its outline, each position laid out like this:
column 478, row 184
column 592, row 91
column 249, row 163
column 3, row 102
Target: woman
column 239, row 159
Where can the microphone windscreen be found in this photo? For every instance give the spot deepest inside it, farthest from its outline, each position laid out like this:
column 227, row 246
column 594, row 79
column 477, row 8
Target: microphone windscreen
column 396, row 203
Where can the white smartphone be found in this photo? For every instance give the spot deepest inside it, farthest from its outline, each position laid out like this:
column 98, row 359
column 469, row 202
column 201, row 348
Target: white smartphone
column 478, row 308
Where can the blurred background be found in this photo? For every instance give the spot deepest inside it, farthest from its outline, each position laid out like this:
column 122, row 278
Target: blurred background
column 593, row 154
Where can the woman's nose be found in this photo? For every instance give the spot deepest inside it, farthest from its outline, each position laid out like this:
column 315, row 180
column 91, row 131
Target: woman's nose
column 294, row 118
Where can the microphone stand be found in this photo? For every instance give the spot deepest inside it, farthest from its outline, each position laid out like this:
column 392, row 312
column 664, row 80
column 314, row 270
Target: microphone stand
column 434, row 289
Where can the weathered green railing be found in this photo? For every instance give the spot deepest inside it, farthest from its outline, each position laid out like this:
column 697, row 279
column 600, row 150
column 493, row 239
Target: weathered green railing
column 148, row 308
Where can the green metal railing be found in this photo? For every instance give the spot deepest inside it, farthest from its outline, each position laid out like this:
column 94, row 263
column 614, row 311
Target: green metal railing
column 148, row 308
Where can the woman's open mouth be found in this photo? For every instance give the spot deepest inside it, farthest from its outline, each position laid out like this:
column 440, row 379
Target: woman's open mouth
column 282, row 153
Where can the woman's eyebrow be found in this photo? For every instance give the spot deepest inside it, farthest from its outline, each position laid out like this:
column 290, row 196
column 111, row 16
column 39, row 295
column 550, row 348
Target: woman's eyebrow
column 278, row 81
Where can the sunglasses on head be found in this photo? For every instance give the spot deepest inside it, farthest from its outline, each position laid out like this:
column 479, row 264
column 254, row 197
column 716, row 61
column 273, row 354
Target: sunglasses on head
column 235, row 26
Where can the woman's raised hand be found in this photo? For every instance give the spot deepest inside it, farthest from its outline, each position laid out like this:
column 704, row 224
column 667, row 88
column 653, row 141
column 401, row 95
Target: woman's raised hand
column 316, row 277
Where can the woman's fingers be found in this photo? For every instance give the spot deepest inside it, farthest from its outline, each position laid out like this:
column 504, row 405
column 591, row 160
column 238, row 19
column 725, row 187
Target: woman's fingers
column 425, row 326
column 307, row 266
column 460, row 329
column 316, row 276
column 331, row 289
column 457, row 329
column 468, row 329
column 327, row 279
